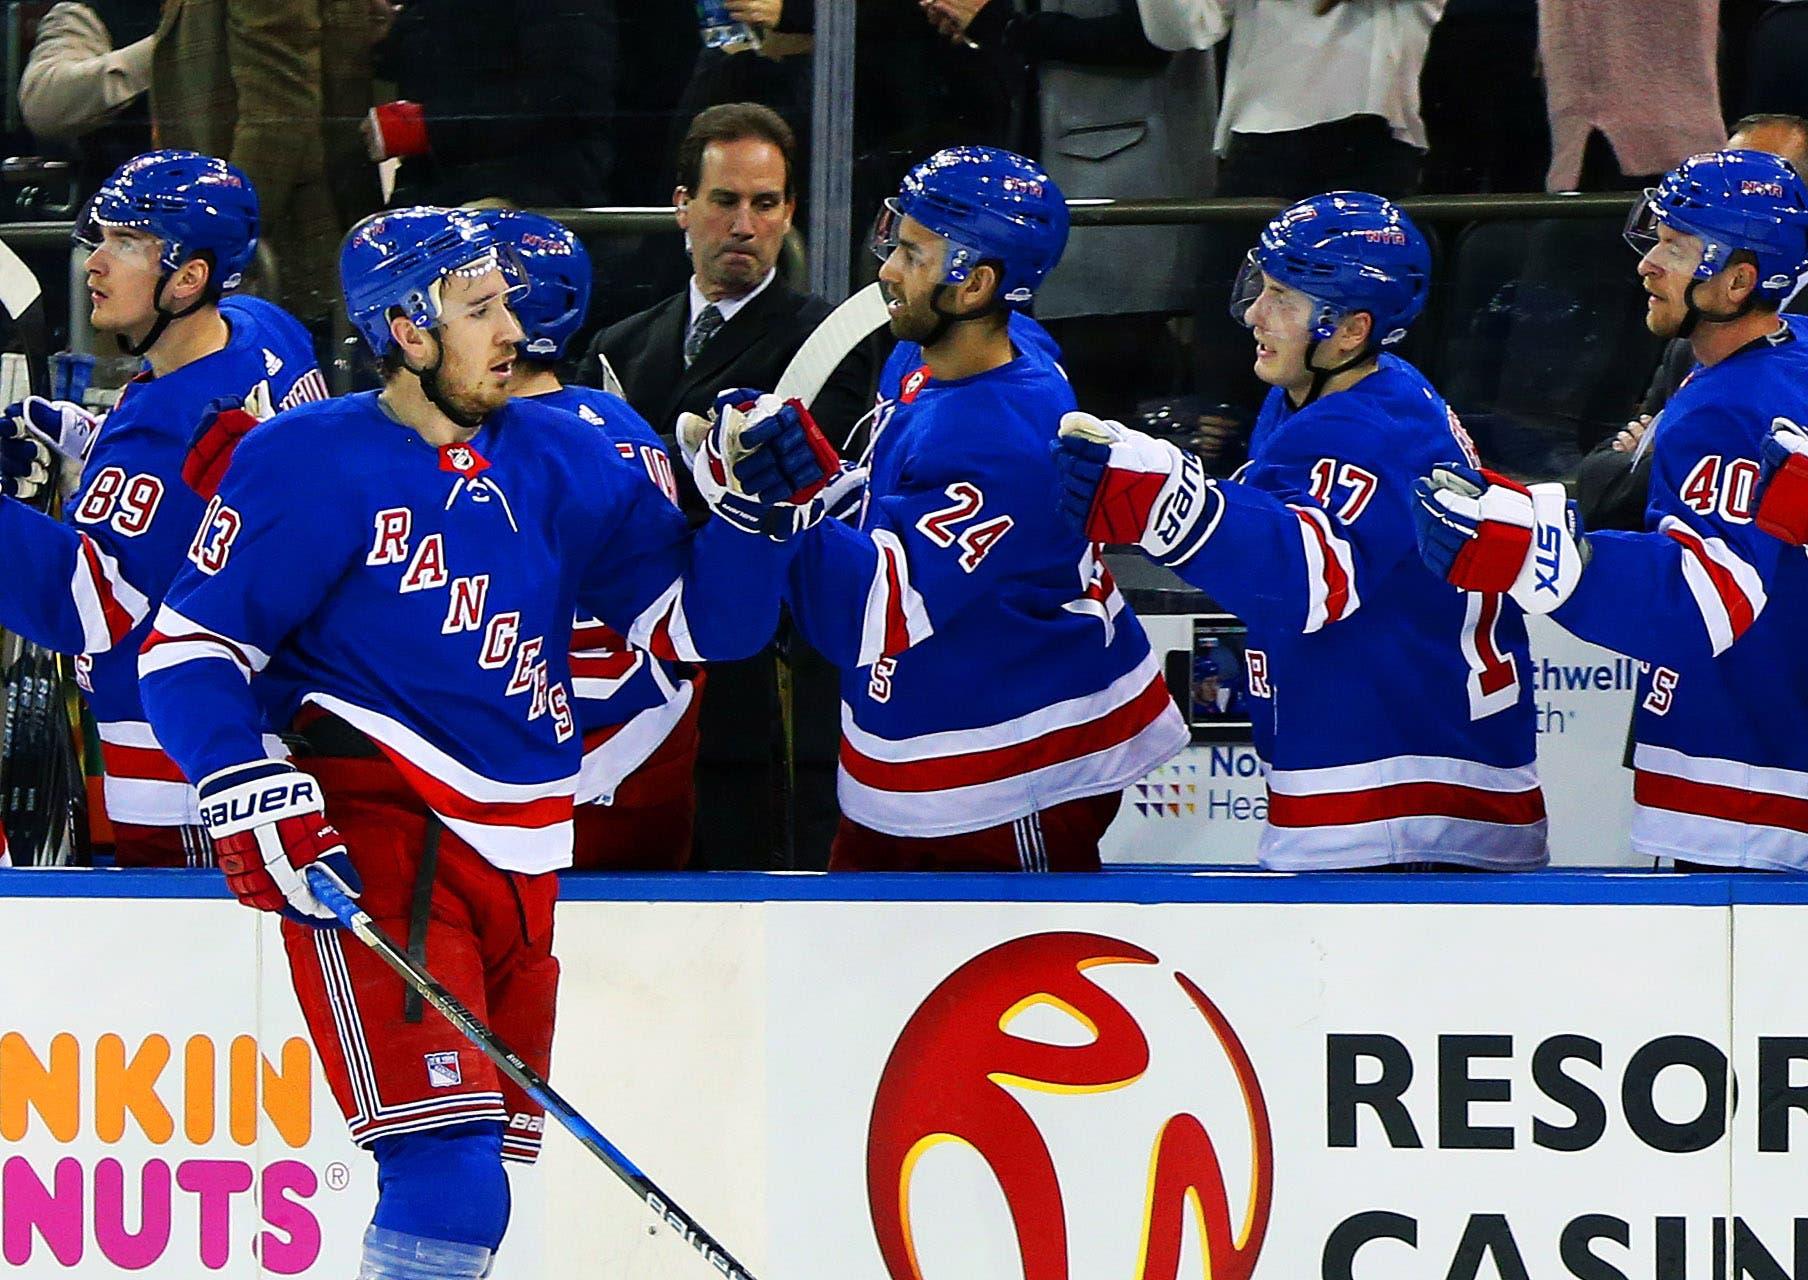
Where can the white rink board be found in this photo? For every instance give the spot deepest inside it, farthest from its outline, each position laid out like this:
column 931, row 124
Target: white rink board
column 772, row 1058
column 1207, row 805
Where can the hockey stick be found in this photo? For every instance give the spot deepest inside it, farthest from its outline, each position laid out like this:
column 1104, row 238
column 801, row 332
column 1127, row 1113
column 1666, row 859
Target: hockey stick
column 531, row 1082
column 42, row 792
column 831, row 342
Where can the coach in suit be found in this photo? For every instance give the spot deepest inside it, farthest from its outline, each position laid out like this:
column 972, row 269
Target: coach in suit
column 736, row 324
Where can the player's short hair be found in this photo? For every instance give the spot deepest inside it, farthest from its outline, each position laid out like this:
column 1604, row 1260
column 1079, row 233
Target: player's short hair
column 1779, row 120
column 735, row 122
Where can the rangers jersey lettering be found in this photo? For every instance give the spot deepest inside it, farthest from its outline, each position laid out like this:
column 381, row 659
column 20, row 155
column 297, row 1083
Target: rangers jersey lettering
column 1717, row 610
column 1393, row 713
column 990, row 668
column 626, row 700
column 426, row 595
column 89, row 585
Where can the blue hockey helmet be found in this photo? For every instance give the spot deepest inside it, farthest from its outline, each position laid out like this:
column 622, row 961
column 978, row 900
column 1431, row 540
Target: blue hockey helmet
column 558, row 274
column 990, row 205
column 1732, row 200
column 1348, row 251
column 193, row 203
column 399, row 259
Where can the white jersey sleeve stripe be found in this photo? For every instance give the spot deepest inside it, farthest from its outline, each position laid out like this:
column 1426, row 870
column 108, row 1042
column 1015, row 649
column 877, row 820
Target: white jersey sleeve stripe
column 1727, row 590
column 109, row 606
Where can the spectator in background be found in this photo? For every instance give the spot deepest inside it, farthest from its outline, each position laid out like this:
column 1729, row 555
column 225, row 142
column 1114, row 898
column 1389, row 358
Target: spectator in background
column 1629, row 95
column 1614, row 481
column 736, row 324
column 775, row 75
column 1322, row 95
column 1776, row 68
column 1319, row 95
column 277, row 88
column 1125, row 90
column 1483, row 102
column 85, row 81
column 499, row 100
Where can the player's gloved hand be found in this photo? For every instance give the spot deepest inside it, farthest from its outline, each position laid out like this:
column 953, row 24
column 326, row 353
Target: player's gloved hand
column 773, row 447
column 223, row 424
column 66, row 428
column 1121, row 486
column 267, row 821
column 1483, row 532
column 1783, row 482
column 395, row 129
column 25, row 470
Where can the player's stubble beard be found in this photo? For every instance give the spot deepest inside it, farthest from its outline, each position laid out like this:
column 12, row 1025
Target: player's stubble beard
column 466, row 409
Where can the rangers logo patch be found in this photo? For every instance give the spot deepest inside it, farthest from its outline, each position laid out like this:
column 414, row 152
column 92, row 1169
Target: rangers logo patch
column 443, row 1071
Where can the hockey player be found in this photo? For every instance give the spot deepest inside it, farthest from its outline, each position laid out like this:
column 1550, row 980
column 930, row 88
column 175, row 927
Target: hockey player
column 1714, row 606
column 637, row 714
column 1312, row 546
column 406, row 619
column 167, row 234
column 997, row 694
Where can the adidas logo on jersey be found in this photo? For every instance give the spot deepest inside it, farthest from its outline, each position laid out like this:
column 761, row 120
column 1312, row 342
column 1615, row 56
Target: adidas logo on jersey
column 272, row 365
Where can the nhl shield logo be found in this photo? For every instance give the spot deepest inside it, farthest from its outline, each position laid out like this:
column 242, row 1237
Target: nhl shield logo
column 462, row 459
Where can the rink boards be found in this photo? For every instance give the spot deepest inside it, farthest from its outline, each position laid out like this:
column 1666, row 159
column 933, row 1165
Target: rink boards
column 1362, row 1078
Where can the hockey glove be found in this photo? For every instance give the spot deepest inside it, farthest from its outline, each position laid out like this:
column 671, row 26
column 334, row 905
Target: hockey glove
column 223, row 424
column 65, row 433
column 267, row 821
column 1783, row 483
column 24, row 464
column 1121, row 486
column 396, row 129
column 1480, row 531
column 773, row 447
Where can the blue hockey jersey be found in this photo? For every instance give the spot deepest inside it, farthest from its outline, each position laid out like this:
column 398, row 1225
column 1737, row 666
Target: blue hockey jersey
column 426, row 597
column 906, row 358
column 626, row 700
column 88, row 586
column 1393, row 713
column 1718, row 611
column 990, row 668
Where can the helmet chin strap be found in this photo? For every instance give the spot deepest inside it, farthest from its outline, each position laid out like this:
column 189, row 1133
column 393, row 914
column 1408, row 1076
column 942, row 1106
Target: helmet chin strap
column 946, row 320
column 435, row 393
column 163, row 319
column 1694, row 315
column 1321, row 376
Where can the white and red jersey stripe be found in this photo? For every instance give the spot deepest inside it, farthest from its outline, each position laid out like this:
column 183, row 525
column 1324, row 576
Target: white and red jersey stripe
column 516, row 826
column 896, row 617
column 175, row 639
column 109, row 607
column 142, row 785
column 1723, row 812
column 1330, row 570
column 1727, row 590
column 614, row 752
column 1404, row 809
column 962, row 780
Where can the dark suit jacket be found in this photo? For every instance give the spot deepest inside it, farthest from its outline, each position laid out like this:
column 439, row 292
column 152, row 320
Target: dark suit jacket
column 647, row 353
column 738, row 772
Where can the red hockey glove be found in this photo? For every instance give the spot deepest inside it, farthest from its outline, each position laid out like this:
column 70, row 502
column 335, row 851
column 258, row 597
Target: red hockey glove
column 223, row 424
column 267, row 822
column 396, row 129
column 1783, row 483
column 1123, row 487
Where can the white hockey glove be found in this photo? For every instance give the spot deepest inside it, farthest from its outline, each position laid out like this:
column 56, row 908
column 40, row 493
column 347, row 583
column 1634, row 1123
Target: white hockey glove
column 1483, row 532
column 1121, row 486
column 34, row 434
column 762, row 464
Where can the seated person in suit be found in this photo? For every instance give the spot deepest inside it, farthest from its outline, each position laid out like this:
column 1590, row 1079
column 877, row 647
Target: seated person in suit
column 736, row 324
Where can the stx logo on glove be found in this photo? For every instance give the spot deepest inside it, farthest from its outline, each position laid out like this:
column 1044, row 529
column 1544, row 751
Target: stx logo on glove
column 282, row 795
column 1548, row 560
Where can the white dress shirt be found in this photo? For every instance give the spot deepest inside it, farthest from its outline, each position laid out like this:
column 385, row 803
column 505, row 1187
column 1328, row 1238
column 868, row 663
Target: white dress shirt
column 1291, row 68
column 727, row 306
